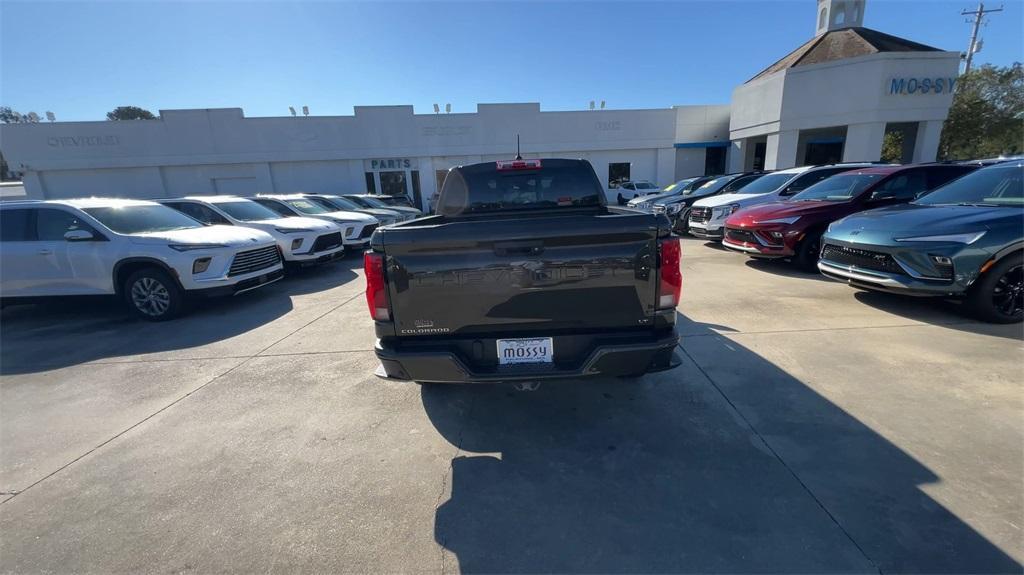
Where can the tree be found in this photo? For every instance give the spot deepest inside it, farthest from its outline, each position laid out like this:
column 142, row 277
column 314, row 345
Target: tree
column 9, row 116
column 987, row 115
column 892, row 147
column 130, row 113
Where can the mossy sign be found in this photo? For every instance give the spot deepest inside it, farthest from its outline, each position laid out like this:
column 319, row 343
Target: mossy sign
column 906, row 86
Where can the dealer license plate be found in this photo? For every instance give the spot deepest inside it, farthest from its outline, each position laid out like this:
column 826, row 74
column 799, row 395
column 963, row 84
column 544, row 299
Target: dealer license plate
column 532, row 350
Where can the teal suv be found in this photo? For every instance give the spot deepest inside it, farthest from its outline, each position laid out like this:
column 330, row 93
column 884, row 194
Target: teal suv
column 964, row 240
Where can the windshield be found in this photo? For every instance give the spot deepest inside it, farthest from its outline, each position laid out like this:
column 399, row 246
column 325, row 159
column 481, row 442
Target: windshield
column 340, row 203
column 709, row 187
column 375, row 203
column 359, row 201
column 768, row 183
column 246, row 211
column 839, row 188
column 645, row 186
column 739, row 183
column 993, row 186
column 677, row 186
column 142, row 219
column 307, row 207
column 333, row 204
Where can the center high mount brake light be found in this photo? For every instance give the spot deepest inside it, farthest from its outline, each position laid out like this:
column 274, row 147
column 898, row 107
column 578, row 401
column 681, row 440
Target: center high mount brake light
column 518, row 165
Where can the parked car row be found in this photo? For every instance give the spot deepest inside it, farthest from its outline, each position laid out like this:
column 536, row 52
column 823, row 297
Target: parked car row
column 157, row 254
column 953, row 230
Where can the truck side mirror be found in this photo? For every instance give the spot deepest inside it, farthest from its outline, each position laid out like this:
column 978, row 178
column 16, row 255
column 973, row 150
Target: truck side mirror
column 78, row 236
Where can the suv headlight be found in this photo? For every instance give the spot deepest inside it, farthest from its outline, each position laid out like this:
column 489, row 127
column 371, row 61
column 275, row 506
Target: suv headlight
column 965, row 238
column 294, row 230
column 724, row 211
column 191, row 247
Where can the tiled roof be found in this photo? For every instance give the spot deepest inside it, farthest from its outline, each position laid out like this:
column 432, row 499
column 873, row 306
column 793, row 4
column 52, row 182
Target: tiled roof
column 843, row 43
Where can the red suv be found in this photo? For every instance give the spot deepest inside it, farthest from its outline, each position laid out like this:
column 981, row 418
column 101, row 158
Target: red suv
column 793, row 229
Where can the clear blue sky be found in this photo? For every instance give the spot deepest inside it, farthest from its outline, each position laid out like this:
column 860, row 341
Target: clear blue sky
column 81, row 59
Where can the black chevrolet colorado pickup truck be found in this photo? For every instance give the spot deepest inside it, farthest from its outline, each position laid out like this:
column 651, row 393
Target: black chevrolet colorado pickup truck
column 524, row 275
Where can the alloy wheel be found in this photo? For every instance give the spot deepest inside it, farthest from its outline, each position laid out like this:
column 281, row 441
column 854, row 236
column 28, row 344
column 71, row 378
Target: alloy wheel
column 1008, row 293
column 150, row 297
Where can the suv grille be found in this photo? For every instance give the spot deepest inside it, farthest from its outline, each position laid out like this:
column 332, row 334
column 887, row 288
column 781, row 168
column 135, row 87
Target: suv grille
column 326, row 242
column 254, row 260
column 367, row 231
column 863, row 259
column 740, row 236
column 700, row 215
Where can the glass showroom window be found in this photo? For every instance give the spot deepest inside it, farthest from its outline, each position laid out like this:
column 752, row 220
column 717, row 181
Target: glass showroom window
column 714, row 161
column 371, row 188
column 617, row 173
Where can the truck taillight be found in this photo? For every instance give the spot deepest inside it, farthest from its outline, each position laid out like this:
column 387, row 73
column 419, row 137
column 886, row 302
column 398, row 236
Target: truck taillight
column 671, row 285
column 517, row 165
column 376, row 291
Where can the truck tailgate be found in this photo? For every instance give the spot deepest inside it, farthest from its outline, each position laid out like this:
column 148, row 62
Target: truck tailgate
column 548, row 274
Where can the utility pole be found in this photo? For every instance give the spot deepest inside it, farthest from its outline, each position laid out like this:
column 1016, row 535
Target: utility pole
column 979, row 17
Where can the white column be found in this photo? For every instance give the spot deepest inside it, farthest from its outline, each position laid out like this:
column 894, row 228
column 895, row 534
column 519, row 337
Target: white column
column 927, row 145
column 264, row 179
column 666, row 169
column 428, row 182
column 33, row 183
column 780, row 150
column 737, row 156
column 864, row 142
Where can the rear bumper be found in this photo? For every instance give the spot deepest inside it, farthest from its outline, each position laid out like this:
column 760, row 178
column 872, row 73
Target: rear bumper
column 438, row 363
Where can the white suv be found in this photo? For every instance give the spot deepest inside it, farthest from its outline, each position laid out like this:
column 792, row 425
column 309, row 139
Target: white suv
column 147, row 253
column 303, row 241
column 358, row 227
column 707, row 216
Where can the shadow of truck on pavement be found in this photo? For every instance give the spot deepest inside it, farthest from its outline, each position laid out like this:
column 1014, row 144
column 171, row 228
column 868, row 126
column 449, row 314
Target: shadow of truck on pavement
column 674, row 473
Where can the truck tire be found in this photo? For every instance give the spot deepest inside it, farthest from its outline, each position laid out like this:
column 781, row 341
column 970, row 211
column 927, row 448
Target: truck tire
column 998, row 296
column 153, row 295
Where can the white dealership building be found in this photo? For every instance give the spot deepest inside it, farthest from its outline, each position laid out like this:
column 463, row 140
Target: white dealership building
column 832, row 99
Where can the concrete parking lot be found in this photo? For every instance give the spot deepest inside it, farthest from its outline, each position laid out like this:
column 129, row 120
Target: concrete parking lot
column 811, row 428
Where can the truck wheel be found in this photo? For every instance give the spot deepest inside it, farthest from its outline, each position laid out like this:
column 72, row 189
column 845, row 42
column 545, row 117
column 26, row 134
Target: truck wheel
column 153, row 295
column 808, row 250
column 998, row 296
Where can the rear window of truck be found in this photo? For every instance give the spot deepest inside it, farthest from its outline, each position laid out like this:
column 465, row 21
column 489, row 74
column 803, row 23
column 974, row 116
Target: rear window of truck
column 483, row 188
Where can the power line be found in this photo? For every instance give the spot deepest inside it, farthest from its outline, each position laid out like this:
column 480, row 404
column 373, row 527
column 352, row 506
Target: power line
column 979, row 17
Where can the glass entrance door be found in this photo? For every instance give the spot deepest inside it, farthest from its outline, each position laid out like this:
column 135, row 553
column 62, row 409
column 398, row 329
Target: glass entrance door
column 393, row 184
